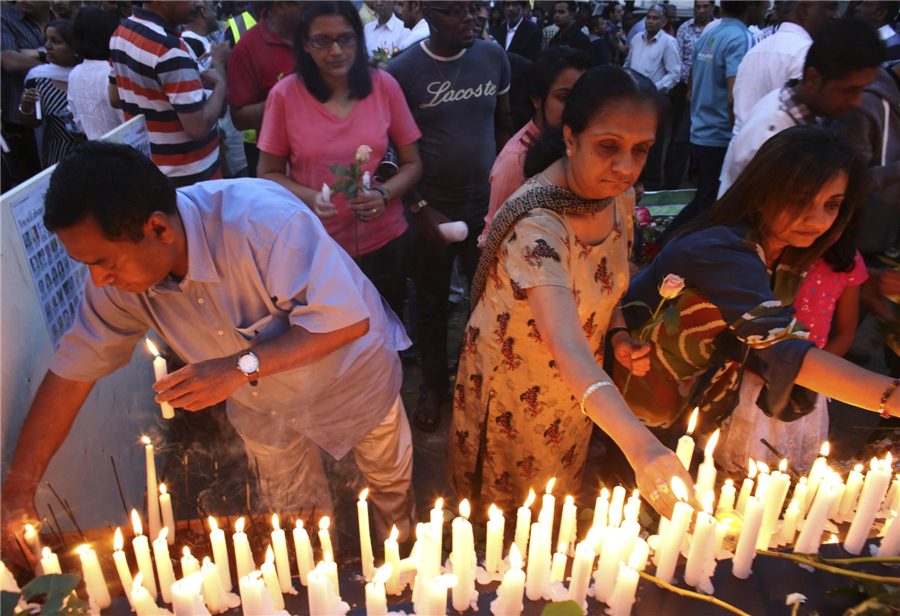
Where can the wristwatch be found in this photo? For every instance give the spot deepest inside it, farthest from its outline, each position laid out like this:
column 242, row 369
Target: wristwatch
column 42, row 54
column 415, row 208
column 248, row 363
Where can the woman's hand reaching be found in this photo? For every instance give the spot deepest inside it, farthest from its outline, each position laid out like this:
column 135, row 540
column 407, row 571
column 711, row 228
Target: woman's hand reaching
column 629, row 352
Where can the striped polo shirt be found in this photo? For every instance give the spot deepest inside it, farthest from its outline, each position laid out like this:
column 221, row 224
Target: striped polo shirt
column 157, row 76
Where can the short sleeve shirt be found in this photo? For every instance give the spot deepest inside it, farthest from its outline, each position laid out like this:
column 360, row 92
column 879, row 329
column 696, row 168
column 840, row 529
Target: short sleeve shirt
column 818, row 296
column 453, row 102
column 258, row 61
column 716, row 57
column 298, row 126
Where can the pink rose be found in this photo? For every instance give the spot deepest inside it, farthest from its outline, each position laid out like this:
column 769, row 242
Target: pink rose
column 362, row 154
column 671, row 287
column 643, row 216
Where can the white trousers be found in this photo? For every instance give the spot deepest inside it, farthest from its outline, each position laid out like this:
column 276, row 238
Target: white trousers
column 293, row 478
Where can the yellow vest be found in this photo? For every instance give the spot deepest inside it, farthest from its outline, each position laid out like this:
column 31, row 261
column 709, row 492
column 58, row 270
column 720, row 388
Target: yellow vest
column 238, row 26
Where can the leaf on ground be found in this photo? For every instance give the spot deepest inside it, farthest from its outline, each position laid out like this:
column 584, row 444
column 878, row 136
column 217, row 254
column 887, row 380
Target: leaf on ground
column 566, row 608
column 55, row 586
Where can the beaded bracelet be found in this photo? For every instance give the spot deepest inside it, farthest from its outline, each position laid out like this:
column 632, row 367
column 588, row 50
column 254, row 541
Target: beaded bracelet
column 591, row 389
column 884, row 398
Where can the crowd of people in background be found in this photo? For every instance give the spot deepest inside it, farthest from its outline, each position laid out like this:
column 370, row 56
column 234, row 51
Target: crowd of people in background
column 536, row 127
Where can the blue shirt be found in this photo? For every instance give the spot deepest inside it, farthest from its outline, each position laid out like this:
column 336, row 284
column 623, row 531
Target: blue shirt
column 716, row 57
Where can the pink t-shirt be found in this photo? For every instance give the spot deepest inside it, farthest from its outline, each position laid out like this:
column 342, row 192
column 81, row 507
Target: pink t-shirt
column 297, row 125
column 508, row 172
column 819, row 293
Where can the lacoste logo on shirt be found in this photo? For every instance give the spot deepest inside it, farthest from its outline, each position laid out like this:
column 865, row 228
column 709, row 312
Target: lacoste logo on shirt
column 444, row 93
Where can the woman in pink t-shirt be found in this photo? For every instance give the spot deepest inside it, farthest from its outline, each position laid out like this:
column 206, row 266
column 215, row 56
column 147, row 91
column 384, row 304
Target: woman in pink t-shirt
column 319, row 117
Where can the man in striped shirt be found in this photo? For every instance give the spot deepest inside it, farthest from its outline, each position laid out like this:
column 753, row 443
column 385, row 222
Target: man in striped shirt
column 153, row 73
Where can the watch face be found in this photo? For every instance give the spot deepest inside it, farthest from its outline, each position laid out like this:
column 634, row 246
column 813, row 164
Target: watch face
column 248, row 363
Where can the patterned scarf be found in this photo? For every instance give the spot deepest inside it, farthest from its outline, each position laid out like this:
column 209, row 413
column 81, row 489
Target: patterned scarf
column 551, row 198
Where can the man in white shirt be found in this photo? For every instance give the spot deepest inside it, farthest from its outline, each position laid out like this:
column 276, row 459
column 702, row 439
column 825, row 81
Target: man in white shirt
column 414, row 20
column 386, row 32
column 654, row 53
column 882, row 14
column 779, row 57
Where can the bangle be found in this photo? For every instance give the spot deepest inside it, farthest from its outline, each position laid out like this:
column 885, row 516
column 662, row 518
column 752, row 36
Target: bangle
column 616, row 330
column 884, row 398
column 591, row 389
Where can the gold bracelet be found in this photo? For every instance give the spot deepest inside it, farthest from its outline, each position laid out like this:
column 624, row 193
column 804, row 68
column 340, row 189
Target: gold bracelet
column 591, row 389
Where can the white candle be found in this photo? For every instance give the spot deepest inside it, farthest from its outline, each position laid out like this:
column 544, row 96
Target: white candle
column 631, row 528
column 93, row 577
column 392, row 558
column 282, row 564
column 722, row 527
column 212, row 587
column 436, row 594
column 746, row 487
column 605, row 575
column 303, row 549
column 624, row 596
column 220, row 553
column 141, row 601
column 142, row 556
column 685, row 449
column 762, row 481
column 892, row 500
column 320, row 593
column 675, row 533
column 365, row 538
column 811, row 535
column 601, row 509
column 186, row 599
column 463, row 559
column 789, row 526
column 494, row 542
column 160, row 370
column 840, row 487
column 779, row 484
column 326, row 193
column 639, row 555
column 703, row 544
column 255, row 598
column 746, row 547
column 153, row 519
column 558, row 567
column 376, row 599
column 874, row 488
column 50, row 562
column 509, row 601
column 568, row 523
column 165, row 505
column 661, row 529
column 164, row 565
column 801, row 490
column 243, row 557
column 548, row 506
column 538, row 562
column 329, row 570
column 121, row 565
column 615, row 513
column 437, row 523
column 583, row 566
column 816, row 474
column 851, row 493
column 726, row 498
column 33, row 540
column 325, row 536
column 523, row 524
column 890, row 543
column 270, row 577
column 706, row 474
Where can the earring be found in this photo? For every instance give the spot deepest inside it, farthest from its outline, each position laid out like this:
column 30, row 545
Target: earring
column 568, row 152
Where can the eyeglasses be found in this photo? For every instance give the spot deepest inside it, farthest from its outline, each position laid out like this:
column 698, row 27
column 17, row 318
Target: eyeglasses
column 457, row 11
column 326, row 42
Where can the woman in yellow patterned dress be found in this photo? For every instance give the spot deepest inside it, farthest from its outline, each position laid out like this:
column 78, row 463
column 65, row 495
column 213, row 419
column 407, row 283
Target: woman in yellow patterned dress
column 545, row 298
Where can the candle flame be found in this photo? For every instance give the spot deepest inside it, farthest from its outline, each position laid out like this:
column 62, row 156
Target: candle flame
column 561, row 548
column 136, row 522
column 118, row 542
column 751, row 468
column 729, row 483
column 447, row 581
column 138, row 579
column 495, row 514
column 858, row 468
column 394, row 533
column 152, row 347
column 834, row 539
column 213, row 525
column 46, row 551
column 83, row 549
column 328, row 557
column 711, row 444
column 550, row 485
column 515, row 559
column 299, row 524
column 162, row 488
column 186, row 551
column 678, row 489
column 207, row 563
column 439, row 503
column 383, row 573
column 804, row 480
column 873, row 465
column 163, row 534
column 824, row 451
column 570, row 500
column 762, row 467
column 364, row 494
column 888, row 459
column 464, row 509
column 795, row 503
column 636, row 493
column 594, row 536
column 275, row 524
column 324, row 523
column 270, row 555
column 145, row 440
column 29, row 528
column 530, row 500
column 239, row 525
column 604, row 493
column 708, row 499
column 782, row 466
column 693, row 422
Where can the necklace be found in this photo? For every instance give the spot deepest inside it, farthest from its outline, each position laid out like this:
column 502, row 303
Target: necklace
column 438, row 67
column 544, row 177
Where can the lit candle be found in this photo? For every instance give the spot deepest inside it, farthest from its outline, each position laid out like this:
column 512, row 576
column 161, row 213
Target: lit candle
column 660, row 537
column 583, row 566
column 746, row 487
column 706, row 474
column 325, row 536
column 675, row 534
column 558, row 568
column 892, row 500
column 220, row 553
column 141, row 601
column 631, row 528
column 282, row 564
column 811, row 535
column 50, row 562
column 548, row 506
column 568, row 523
column 121, row 564
column 320, row 591
column 33, row 540
column 186, row 599
column 437, row 523
column 142, row 556
column 874, row 488
column 703, row 544
column 538, row 561
column 93, row 577
column 212, row 587
column 376, row 599
column 523, row 524
column 509, row 601
column 841, row 488
column 762, row 481
column 326, row 193
column 626, row 587
column 153, row 520
column 165, row 505
column 608, row 566
column 463, row 559
column 746, row 547
column 303, row 549
column 801, row 490
column 722, row 527
column 685, row 449
column 329, row 570
column 243, row 558
column 816, row 474
column 789, row 526
column 615, row 513
column 779, row 484
column 494, row 543
column 890, row 543
column 392, row 558
column 639, row 555
column 851, row 493
column 255, row 598
column 365, row 538
column 160, row 370
column 601, row 509
column 164, row 565
column 726, row 498
column 270, row 577
column 436, row 594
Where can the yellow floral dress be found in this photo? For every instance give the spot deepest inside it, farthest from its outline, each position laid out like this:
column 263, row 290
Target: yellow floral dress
column 515, row 423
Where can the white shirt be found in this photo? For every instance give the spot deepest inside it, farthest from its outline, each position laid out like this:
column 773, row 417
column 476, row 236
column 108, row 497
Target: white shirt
column 88, row 96
column 419, row 32
column 387, row 36
column 511, row 32
column 767, row 67
column 656, row 58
